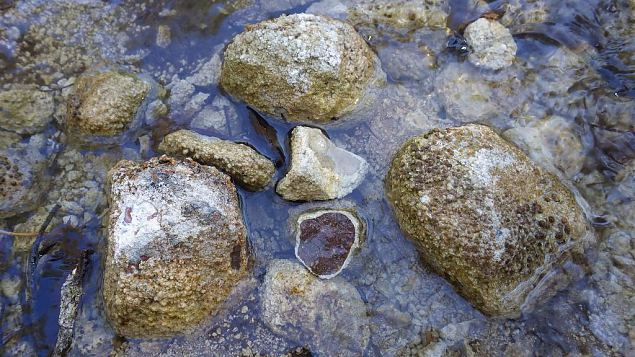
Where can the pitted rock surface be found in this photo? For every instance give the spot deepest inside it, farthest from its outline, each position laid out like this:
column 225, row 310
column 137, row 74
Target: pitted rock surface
column 301, row 67
column 325, row 241
column 177, row 246
column 483, row 215
column 244, row 164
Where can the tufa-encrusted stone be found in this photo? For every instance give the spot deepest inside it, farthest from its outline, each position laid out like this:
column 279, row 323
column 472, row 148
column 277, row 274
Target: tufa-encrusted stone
column 492, row 44
column 244, row 164
column 177, row 246
column 25, row 110
column 301, row 67
column 483, row 215
column 106, row 103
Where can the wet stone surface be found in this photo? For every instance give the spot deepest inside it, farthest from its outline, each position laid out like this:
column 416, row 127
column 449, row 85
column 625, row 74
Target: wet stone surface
column 325, row 241
column 565, row 99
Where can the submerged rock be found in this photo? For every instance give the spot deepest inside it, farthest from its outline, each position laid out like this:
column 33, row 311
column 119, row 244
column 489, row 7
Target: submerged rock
column 319, row 170
column 23, row 178
column 326, row 239
column 241, row 162
column 466, row 97
column 493, row 46
column 484, row 216
column 301, row 67
column 403, row 14
column 177, row 246
column 25, row 110
column 106, row 104
column 329, row 316
column 553, row 143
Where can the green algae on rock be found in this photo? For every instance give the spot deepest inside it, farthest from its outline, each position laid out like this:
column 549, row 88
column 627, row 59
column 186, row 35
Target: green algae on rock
column 301, row 67
column 177, row 246
column 244, row 164
column 484, row 216
column 106, row 103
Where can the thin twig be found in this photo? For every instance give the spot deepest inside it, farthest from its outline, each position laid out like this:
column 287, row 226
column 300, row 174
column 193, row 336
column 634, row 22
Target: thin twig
column 19, row 234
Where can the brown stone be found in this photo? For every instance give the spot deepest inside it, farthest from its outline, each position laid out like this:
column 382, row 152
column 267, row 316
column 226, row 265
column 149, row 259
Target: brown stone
column 325, row 241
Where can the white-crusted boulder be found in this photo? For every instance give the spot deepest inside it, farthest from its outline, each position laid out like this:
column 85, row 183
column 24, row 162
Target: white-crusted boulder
column 301, row 67
column 319, row 170
column 176, row 246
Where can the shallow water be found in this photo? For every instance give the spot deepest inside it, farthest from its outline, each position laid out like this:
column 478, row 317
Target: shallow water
column 576, row 61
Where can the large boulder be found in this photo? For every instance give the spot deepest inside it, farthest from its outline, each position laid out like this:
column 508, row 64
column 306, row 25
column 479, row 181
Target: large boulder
column 177, row 246
column 485, row 216
column 243, row 163
column 105, row 104
column 301, row 67
column 330, row 316
column 319, row 170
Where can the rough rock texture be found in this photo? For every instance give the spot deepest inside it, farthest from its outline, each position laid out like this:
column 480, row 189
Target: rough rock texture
column 23, row 179
column 406, row 14
column 25, row 110
column 466, row 96
column 329, row 316
column 302, row 67
column 241, row 162
column 319, row 170
column 483, row 215
column 553, row 143
column 105, row 104
column 493, row 46
column 220, row 117
column 326, row 239
column 177, row 246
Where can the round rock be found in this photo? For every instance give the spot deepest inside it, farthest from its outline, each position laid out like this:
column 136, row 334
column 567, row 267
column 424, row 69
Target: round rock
column 485, row 216
column 177, row 246
column 493, row 46
column 105, row 104
column 327, row 315
column 25, row 110
column 326, row 239
column 301, row 67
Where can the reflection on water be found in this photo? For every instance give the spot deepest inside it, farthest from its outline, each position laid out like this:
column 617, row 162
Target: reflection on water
column 571, row 87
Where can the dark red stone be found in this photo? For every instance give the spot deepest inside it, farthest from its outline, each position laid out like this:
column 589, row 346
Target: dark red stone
column 325, row 242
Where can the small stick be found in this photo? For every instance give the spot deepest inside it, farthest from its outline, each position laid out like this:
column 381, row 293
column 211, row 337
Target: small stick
column 19, row 234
